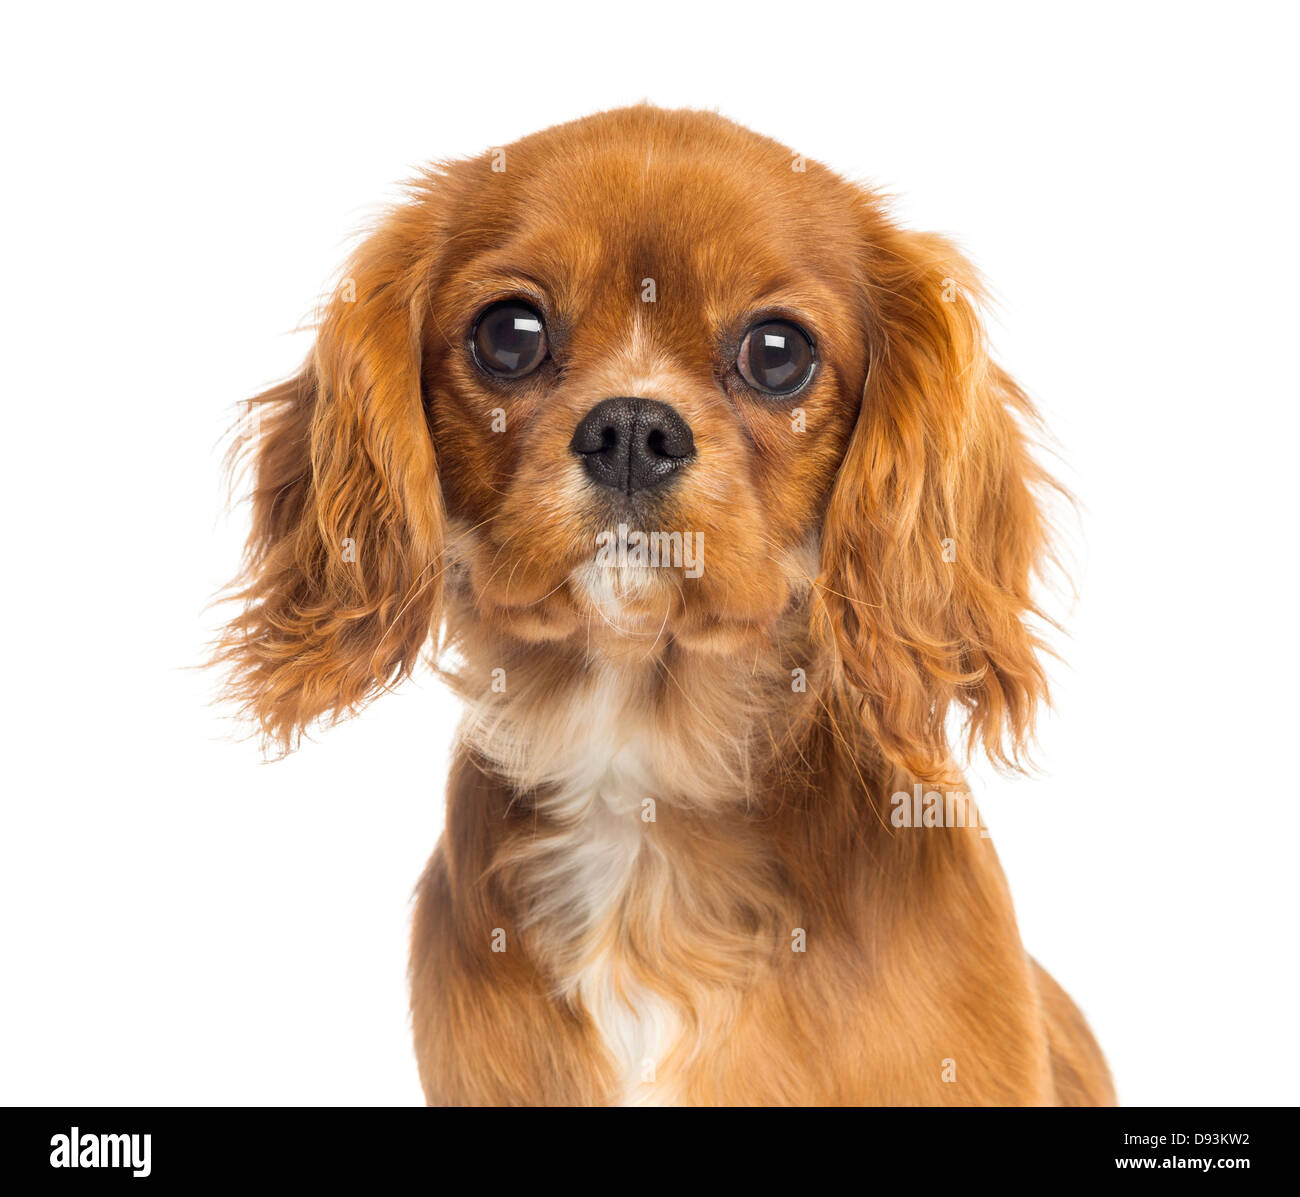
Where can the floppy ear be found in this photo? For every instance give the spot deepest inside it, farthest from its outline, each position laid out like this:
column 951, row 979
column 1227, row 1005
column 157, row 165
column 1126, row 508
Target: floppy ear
column 341, row 584
column 934, row 528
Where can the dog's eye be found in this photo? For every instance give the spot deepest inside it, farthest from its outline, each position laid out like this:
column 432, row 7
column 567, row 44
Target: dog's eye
column 776, row 357
column 509, row 339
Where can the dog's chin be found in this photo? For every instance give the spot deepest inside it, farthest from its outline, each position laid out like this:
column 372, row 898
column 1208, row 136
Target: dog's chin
column 623, row 602
column 623, row 612
column 633, row 598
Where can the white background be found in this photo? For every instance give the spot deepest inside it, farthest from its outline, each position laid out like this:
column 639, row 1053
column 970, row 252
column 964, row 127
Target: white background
column 180, row 923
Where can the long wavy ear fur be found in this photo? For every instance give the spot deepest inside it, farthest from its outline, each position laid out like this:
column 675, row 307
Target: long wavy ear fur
column 341, row 584
column 934, row 530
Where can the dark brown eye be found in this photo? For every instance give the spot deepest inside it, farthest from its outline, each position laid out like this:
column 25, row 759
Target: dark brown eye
column 509, row 339
column 776, row 357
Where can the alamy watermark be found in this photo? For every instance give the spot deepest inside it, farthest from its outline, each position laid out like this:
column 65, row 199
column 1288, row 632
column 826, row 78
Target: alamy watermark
column 85, row 1149
column 929, row 808
column 617, row 549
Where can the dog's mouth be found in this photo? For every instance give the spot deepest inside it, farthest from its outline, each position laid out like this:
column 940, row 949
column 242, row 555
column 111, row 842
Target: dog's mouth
column 624, row 572
column 625, row 589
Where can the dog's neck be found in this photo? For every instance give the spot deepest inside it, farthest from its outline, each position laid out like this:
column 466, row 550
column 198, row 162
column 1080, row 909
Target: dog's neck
column 682, row 726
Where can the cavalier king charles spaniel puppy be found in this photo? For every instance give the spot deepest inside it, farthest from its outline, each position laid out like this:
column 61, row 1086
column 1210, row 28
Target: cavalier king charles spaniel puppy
column 691, row 470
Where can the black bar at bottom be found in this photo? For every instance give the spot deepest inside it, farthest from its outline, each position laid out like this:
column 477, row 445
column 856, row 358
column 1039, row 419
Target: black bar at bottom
column 381, row 1148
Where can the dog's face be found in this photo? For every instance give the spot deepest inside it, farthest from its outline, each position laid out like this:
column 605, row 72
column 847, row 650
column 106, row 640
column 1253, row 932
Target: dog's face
column 649, row 325
column 651, row 376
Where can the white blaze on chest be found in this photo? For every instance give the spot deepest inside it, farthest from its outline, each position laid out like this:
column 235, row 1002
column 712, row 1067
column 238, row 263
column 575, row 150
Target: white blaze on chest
column 637, row 1026
column 582, row 879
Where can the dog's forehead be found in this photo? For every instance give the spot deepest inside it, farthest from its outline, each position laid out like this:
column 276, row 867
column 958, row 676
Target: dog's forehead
column 684, row 229
column 681, row 207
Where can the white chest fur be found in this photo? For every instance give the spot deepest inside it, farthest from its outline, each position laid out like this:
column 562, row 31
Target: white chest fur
column 593, row 758
column 606, row 848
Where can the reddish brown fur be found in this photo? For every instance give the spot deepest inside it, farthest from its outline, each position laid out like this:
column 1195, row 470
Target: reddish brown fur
column 826, row 554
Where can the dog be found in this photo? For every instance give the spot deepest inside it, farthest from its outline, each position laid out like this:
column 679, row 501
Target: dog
column 689, row 470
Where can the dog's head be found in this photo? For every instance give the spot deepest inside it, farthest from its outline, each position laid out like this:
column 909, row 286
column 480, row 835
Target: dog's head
column 650, row 376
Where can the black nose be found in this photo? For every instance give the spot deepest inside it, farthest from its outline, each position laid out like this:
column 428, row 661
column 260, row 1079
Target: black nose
column 632, row 444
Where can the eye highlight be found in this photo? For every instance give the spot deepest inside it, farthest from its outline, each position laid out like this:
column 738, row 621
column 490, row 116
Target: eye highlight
column 776, row 357
column 509, row 339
